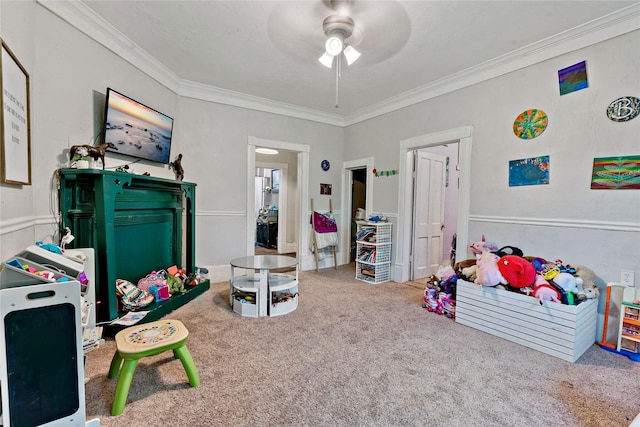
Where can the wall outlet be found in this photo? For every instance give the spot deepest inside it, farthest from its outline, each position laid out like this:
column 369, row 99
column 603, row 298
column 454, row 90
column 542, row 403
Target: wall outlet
column 626, row 278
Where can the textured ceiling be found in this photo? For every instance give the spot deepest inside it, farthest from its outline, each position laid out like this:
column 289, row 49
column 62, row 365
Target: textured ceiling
column 270, row 49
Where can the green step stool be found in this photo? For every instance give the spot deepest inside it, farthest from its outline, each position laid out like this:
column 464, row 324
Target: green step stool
column 140, row 341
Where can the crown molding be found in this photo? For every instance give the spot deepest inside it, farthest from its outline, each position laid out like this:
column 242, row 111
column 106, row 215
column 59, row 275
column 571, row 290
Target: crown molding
column 190, row 89
column 607, row 27
column 77, row 14
column 80, row 16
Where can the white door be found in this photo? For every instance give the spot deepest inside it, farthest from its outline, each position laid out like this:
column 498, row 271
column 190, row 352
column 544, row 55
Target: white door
column 428, row 213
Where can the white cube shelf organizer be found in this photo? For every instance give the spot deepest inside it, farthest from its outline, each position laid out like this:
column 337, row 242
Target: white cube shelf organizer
column 563, row 331
column 373, row 252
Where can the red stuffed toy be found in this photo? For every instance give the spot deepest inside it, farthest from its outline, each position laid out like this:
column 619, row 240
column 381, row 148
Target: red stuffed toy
column 517, row 271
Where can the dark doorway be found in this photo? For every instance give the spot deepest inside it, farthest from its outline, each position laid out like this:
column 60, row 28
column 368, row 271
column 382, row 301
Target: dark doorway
column 358, row 201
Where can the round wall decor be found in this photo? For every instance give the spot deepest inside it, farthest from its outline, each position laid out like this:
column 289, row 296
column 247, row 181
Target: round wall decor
column 325, row 165
column 530, row 123
column 624, row 109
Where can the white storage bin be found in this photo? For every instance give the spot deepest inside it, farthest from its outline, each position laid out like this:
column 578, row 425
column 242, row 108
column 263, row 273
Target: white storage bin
column 563, row 331
column 13, row 276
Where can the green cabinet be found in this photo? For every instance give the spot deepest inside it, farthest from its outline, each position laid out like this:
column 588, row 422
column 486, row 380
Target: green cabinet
column 136, row 224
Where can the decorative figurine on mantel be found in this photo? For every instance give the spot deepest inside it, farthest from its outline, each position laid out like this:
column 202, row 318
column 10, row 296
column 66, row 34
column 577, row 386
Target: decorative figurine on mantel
column 94, row 152
column 176, row 165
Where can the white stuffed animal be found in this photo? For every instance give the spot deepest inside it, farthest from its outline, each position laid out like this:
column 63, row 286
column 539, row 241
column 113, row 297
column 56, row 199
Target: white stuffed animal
column 568, row 282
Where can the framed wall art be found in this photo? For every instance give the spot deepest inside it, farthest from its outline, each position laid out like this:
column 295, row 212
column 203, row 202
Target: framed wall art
column 573, row 78
column 530, row 123
column 15, row 167
column 531, row 171
column 616, row 173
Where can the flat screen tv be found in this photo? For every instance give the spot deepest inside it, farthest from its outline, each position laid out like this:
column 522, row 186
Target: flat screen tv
column 136, row 130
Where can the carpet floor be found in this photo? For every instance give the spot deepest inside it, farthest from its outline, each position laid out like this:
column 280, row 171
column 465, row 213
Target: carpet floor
column 357, row 354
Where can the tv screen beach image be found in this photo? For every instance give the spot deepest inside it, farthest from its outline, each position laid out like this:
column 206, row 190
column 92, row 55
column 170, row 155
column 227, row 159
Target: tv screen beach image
column 137, row 130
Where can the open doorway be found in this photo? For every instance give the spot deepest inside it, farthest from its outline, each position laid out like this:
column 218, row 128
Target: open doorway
column 274, row 233
column 358, row 205
column 292, row 161
column 355, row 174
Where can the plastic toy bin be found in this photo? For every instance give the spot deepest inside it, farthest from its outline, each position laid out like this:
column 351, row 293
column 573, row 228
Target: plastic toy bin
column 14, row 275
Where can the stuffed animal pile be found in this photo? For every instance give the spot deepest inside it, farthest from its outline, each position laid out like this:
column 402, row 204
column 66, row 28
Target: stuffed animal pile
column 509, row 269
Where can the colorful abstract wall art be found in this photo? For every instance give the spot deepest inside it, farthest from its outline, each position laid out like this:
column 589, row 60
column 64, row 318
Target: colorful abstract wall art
column 573, row 78
column 616, row 173
column 624, row 109
column 531, row 171
column 530, row 123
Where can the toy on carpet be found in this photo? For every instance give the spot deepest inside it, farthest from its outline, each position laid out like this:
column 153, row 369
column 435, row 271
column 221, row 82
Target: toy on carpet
column 440, row 292
column 94, row 152
column 430, row 299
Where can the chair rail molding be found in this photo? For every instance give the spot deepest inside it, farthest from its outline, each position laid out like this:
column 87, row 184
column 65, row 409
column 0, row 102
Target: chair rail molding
column 559, row 222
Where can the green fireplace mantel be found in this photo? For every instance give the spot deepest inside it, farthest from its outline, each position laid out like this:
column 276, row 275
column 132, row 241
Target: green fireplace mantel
column 136, row 224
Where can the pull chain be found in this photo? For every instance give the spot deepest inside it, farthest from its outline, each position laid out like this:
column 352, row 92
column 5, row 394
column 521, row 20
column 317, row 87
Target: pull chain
column 338, row 75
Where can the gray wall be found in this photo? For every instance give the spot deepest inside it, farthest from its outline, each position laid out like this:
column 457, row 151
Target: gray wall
column 69, row 75
column 565, row 219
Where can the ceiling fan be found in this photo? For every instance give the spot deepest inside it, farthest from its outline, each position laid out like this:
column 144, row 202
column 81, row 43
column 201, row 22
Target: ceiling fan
column 338, row 28
column 344, row 28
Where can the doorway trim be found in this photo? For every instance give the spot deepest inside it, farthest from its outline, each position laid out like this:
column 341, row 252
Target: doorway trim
column 302, row 193
column 462, row 135
column 347, row 177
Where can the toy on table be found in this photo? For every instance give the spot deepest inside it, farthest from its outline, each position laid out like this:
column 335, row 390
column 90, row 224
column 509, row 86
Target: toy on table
column 176, row 165
column 96, row 153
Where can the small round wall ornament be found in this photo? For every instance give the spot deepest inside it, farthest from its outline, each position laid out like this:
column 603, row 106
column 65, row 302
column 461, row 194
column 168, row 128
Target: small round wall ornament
column 325, row 165
column 624, row 109
column 530, row 123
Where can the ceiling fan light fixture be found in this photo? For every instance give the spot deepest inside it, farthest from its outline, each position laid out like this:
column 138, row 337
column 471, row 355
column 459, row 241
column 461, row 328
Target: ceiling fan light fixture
column 351, row 54
column 334, row 45
column 326, row 60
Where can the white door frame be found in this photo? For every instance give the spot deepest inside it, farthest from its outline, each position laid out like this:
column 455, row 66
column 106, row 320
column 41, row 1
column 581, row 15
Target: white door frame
column 462, row 135
column 347, row 176
column 303, row 190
